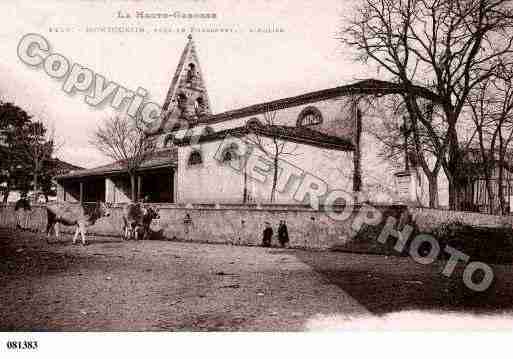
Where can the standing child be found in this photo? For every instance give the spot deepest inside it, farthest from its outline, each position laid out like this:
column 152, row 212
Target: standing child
column 283, row 234
column 267, row 235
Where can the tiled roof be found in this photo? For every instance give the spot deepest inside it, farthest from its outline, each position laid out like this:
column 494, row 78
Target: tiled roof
column 369, row 86
column 293, row 134
column 163, row 158
column 63, row 167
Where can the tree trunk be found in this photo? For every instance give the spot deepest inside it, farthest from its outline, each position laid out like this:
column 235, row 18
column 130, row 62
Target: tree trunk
column 357, row 174
column 133, row 188
column 502, row 200
column 275, row 178
column 454, row 160
column 489, row 189
column 35, row 180
column 433, row 190
column 245, row 189
column 452, row 193
column 500, row 178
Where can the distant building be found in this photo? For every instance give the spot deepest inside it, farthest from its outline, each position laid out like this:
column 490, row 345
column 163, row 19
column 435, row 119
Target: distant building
column 60, row 168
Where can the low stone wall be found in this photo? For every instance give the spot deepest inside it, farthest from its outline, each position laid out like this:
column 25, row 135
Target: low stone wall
column 236, row 224
column 427, row 219
column 243, row 224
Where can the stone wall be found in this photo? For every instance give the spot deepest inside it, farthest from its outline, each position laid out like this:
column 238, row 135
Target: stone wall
column 427, row 219
column 243, row 224
column 233, row 224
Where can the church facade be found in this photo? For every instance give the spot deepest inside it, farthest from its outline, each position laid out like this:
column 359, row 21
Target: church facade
column 282, row 151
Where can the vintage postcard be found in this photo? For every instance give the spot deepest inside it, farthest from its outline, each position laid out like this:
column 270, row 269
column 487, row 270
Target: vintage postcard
column 186, row 166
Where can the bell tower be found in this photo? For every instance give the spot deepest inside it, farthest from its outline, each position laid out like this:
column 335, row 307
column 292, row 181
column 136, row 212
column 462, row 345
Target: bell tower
column 187, row 98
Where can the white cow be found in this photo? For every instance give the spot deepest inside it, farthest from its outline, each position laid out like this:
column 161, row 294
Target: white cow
column 70, row 214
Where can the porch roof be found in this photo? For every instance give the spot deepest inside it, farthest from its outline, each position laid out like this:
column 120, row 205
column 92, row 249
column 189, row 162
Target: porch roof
column 161, row 159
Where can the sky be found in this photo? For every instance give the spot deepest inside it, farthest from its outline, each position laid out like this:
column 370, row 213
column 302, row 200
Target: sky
column 240, row 68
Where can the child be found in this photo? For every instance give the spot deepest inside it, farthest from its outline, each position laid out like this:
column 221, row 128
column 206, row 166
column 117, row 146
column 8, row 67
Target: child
column 283, row 234
column 267, row 235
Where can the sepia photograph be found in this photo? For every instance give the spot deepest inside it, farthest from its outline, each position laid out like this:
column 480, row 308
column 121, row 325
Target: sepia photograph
column 174, row 170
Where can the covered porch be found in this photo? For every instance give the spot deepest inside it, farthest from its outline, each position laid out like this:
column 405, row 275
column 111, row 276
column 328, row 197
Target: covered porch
column 155, row 182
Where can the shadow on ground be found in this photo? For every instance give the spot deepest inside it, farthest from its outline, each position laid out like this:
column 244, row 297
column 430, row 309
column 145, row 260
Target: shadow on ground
column 386, row 284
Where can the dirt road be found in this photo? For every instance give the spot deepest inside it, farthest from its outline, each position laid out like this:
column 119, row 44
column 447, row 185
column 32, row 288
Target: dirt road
column 111, row 285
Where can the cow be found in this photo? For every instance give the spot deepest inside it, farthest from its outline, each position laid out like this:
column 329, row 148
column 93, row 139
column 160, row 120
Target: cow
column 78, row 215
column 137, row 218
column 149, row 215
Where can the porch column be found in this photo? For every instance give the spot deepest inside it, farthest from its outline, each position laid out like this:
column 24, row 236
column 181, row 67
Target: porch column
column 61, row 192
column 170, row 188
column 139, row 187
column 81, row 192
column 110, row 190
column 175, row 186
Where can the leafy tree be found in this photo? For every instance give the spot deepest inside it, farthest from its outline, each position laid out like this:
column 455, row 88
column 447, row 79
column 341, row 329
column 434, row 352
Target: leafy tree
column 36, row 144
column 13, row 168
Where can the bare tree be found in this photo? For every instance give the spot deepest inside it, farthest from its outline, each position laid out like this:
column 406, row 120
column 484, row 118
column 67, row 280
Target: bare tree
column 491, row 105
column 123, row 139
column 275, row 149
column 357, row 156
column 446, row 47
column 405, row 140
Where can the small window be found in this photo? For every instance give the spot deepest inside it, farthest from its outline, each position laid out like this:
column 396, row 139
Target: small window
column 181, row 97
column 208, row 131
column 230, row 153
column 191, row 73
column 253, row 122
column 199, row 106
column 195, row 158
column 228, row 156
column 168, row 140
column 310, row 116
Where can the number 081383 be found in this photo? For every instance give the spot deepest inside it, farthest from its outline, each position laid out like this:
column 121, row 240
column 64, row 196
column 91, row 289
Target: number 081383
column 22, row 345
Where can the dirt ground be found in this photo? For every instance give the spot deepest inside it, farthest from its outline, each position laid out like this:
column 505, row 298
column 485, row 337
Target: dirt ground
column 111, row 285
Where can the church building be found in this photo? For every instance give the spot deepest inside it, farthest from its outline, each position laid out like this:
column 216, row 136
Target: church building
column 280, row 151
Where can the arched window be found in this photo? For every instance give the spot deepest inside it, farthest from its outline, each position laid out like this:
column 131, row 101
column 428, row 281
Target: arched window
column 168, row 140
column 230, row 153
column 208, row 131
column 228, row 156
column 182, row 100
column 199, row 106
column 253, row 122
column 191, row 72
column 176, row 126
column 310, row 116
column 195, row 158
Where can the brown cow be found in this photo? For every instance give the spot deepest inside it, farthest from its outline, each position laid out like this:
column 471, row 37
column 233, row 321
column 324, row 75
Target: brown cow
column 136, row 218
column 77, row 215
column 149, row 215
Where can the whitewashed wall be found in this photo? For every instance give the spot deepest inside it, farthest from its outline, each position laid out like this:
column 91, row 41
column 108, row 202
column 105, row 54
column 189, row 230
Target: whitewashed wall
column 217, row 182
column 209, row 182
